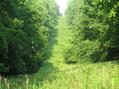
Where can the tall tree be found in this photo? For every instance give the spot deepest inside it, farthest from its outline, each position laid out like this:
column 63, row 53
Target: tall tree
column 95, row 27
column 25, row 27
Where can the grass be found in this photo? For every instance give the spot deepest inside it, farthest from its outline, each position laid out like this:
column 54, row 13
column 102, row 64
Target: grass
column 56, row 74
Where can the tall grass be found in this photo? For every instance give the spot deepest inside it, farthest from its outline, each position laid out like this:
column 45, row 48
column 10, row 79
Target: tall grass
column 80, row 76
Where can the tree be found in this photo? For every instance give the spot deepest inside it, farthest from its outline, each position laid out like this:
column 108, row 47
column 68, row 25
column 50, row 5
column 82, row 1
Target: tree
column 25, row 27
column 95, row 25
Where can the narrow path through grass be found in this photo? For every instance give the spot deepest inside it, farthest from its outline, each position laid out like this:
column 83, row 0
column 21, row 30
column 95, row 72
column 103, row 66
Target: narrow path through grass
column 63, row 42
column 78, row 76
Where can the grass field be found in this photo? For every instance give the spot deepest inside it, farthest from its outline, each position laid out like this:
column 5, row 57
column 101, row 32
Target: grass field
column 56, row 74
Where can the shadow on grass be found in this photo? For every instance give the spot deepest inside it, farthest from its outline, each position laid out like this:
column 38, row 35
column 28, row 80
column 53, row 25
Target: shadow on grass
column 46, row 72
column 52, row 41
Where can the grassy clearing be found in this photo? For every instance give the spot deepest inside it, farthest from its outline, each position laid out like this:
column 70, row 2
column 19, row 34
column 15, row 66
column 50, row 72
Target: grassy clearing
column 56, row 74
column 89, row 76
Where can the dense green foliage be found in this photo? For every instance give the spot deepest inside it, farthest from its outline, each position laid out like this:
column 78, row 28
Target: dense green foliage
column 56, row 74
column 29, row 34
column 25, row 27
column 95, row 24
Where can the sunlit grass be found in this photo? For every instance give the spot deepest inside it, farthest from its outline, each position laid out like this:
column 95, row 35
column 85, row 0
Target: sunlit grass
column 89, row 76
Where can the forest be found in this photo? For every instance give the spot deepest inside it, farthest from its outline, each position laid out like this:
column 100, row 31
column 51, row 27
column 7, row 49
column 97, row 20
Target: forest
column 96, row 25
column 41, row 48
column 25, row 30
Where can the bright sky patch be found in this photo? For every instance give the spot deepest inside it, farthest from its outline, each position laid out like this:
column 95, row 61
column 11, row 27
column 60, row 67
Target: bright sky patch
column 62, row 5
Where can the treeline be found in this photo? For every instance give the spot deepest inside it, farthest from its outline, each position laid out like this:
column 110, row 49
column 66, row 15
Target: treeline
column 95, row 24
column 25, row 27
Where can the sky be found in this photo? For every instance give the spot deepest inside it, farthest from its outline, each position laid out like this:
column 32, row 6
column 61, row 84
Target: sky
column 62, row 5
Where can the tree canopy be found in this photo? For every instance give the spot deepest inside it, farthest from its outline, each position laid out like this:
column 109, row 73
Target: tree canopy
column 95, row 24
column 25, row 27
